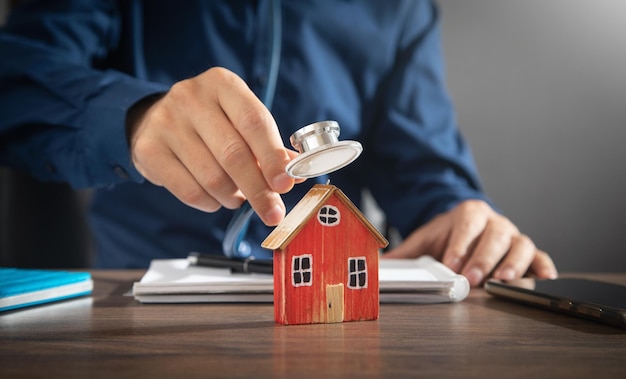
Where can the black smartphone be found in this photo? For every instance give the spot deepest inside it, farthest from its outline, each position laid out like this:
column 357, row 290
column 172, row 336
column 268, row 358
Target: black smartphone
column 591, row 299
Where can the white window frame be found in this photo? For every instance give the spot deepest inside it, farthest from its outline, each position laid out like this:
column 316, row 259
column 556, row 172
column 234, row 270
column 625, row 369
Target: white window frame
column 301, row 271
column 357, row 273
column 326, row 208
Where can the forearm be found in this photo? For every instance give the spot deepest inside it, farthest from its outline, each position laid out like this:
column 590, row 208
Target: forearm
column 71, row 128
column 61, row 119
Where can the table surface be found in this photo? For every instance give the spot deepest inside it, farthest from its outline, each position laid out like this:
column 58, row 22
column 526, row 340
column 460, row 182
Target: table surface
column 111, row 335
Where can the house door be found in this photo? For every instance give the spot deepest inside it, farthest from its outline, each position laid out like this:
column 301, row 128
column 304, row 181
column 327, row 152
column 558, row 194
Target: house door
column 334, row 303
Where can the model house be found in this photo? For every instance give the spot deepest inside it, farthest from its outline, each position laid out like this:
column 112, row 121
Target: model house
column 325, row 261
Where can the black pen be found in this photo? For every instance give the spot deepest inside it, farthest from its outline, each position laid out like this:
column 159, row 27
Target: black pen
column 248, row 265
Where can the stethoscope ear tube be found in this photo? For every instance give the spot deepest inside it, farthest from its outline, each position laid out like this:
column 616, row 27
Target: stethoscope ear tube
column 321, row 152
column 233, row 244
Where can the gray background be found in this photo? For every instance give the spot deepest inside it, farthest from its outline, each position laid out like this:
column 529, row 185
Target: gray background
column 540, row 90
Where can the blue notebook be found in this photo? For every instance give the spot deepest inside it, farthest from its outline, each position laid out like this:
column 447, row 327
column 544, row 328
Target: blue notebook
column 26, row 287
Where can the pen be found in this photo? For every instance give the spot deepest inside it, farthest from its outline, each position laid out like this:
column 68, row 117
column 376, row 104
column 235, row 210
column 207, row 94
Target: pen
column 247, row 265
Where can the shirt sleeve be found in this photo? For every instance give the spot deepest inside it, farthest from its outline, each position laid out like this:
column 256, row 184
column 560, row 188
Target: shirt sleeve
column 63, row 119
column 423, row 164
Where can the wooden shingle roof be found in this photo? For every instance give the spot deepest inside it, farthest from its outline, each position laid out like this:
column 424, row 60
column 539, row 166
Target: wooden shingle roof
column 307, row 207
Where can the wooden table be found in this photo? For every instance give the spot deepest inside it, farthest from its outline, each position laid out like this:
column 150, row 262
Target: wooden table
column 111, row 335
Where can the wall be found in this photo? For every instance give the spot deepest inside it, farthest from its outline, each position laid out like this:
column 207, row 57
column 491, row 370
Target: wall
column 540, row 90
column 3, row 10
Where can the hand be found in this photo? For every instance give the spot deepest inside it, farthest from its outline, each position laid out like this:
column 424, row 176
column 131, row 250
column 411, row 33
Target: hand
column 476, row 241
column 212, row 143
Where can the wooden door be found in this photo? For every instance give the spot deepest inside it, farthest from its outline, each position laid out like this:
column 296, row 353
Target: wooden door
column 334, row 303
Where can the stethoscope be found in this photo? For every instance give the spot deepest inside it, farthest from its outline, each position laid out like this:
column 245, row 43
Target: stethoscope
column 321, row 153
column 320, row 150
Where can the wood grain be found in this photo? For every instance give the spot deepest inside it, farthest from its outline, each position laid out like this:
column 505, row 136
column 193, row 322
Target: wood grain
column 111, row 335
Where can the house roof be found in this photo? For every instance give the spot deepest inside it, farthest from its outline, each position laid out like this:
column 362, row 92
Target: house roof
column 308, row 206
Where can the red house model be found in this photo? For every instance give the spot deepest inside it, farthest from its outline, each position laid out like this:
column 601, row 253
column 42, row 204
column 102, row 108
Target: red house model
column 325, row 261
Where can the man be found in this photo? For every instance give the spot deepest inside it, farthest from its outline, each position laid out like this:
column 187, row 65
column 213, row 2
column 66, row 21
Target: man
column 178, row 112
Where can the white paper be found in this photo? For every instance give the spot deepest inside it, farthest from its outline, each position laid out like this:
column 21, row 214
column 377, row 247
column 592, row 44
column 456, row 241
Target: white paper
column 421, row 280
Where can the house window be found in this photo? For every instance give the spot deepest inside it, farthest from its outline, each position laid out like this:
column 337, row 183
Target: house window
column 357, row 273
column 328, row 215
column 302, row 270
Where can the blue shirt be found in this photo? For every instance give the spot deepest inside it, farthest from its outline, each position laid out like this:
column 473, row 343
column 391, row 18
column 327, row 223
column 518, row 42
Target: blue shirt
column 69, row 71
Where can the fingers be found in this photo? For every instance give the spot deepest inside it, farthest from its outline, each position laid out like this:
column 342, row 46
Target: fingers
column 246, row 143
column 180, row 181
column 516, row 262
column 210, row 177
column 212, row 143
column 167, row 150
column 543, row 266
column 469, row 221
column 505, row 253
column 429, row 239
column 235, row 156
column 476, row 241
column 494, row 243
column 258, row 129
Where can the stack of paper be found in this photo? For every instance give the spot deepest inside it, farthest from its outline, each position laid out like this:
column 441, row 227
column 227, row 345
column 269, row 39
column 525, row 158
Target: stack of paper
column 421, row 280
column 25, row 287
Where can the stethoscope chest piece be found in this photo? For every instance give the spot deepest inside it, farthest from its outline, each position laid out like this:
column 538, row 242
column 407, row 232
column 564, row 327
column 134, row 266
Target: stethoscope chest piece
column 321, row 151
